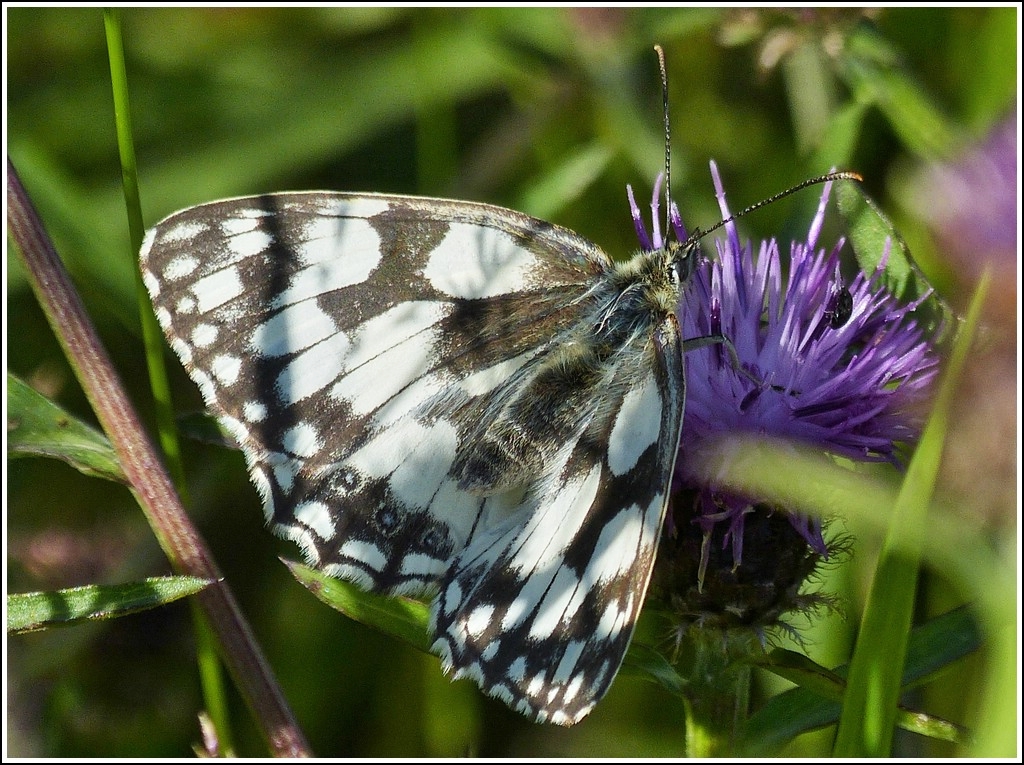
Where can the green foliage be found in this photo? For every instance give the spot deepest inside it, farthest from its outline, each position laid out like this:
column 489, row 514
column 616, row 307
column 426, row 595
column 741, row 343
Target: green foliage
column 552, row 111
column 38, row 427
column 403, row 618
column 31, row 611
column 876, row 244
column 932, row 647
column 869, row 707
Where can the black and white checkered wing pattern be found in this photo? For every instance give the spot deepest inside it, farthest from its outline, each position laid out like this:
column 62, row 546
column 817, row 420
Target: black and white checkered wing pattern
column 423, row 408
column 541, row 611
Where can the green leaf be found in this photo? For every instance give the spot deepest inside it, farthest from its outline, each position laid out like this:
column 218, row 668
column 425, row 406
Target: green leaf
column 644, row 661
column 409, row 620
column 400, row 617
column 933, row 646
column 806, row 673
column 938, row 643
column 877, row 244
column 32, row 611
column 39, row 428
column 869, row 705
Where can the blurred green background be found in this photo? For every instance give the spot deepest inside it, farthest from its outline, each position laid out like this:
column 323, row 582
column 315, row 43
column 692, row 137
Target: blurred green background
column 551, row 112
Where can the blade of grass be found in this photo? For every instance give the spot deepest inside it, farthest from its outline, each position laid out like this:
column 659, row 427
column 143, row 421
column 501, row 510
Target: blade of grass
column 151, row 334
column 565, row 182
column 31, row 611
column 211, row 679
column 868, row 717
column 871, row 68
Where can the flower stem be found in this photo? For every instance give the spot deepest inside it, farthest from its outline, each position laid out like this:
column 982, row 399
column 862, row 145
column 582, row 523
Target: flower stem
column 717, row 696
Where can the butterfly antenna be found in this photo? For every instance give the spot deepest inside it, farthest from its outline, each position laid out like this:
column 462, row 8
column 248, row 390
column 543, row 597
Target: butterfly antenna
column 668, row 141
column 840, row 175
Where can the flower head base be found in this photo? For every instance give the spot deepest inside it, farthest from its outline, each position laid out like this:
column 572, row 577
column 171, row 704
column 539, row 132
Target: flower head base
column 804, row 357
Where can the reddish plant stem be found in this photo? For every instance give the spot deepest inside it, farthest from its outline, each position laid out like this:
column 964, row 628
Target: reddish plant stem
column 178, row 537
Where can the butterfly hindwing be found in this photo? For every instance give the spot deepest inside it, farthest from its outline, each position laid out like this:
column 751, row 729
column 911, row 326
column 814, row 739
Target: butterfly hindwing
column 540, row 612
column 438, row 396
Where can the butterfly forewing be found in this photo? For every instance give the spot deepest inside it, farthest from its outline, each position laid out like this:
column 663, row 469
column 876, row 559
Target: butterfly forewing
column 438, row 396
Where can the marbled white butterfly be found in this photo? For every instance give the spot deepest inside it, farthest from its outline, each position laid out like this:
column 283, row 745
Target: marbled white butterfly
column 451, row 398
column 445, row 396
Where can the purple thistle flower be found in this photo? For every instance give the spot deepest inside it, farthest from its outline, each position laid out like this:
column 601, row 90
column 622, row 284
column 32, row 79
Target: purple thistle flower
column 972, row 204
column 841, row 367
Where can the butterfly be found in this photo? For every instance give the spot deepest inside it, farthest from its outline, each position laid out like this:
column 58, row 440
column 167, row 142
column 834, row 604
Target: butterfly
column 445, row 398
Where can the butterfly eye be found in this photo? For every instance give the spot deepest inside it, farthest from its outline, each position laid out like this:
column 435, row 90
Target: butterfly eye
column 682, row 258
